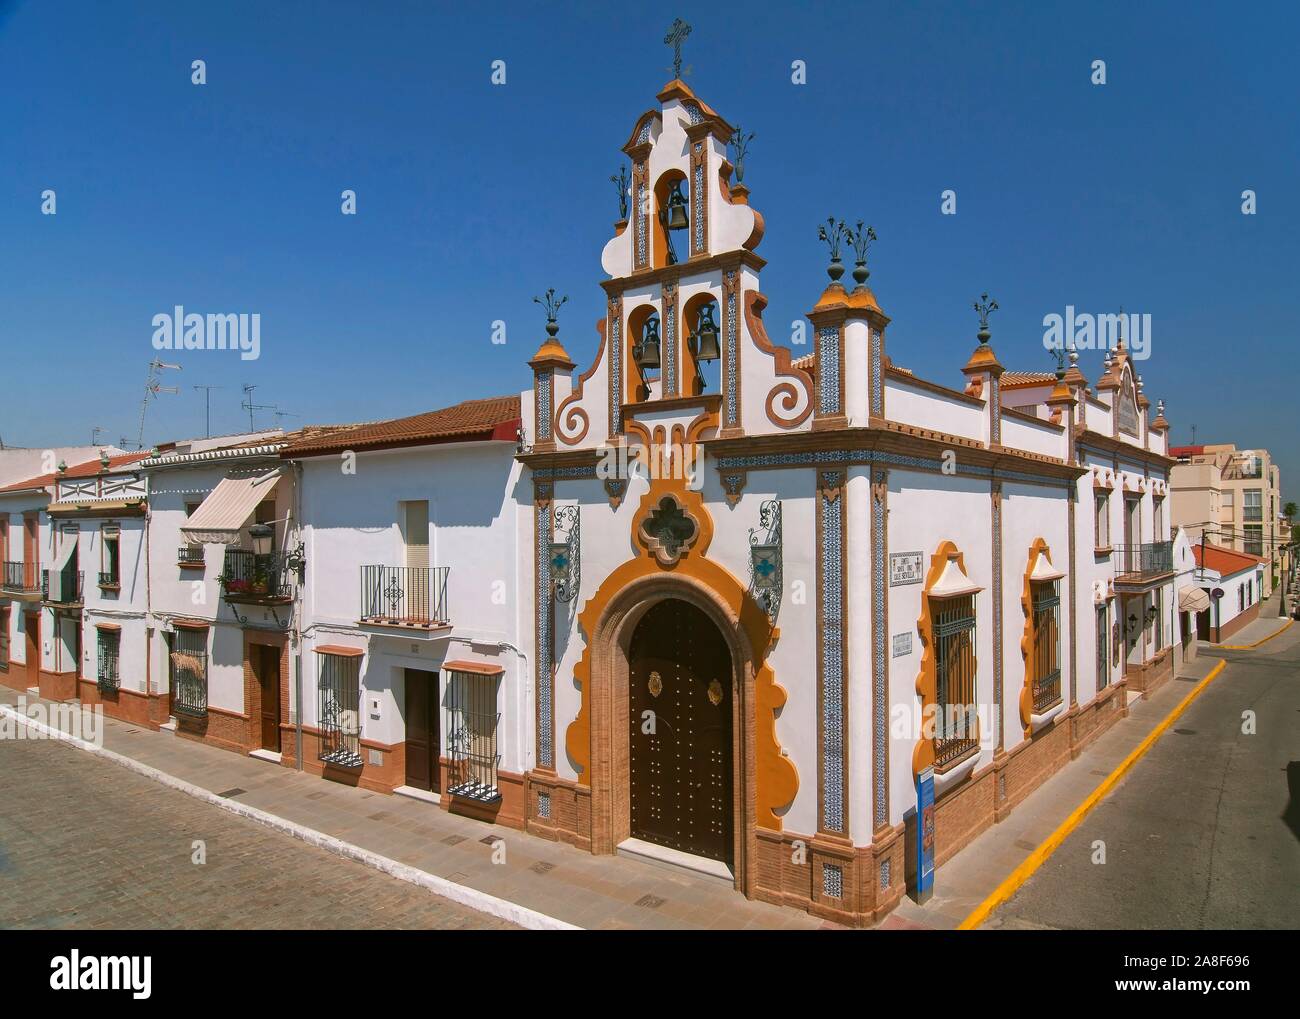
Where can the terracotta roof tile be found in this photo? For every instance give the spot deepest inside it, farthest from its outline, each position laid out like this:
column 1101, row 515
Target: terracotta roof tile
column 1224, row 561
column 1010, row 380
column 497, row 417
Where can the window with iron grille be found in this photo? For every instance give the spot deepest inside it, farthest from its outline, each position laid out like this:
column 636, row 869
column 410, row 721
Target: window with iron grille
column 340, row 709
column 1047, row 645
column 1159, row 599
column 109, row 643
column 4, row 636
column 471, row 735
column 955, row 729
column 188, row 664
column 1103, row 650
column 110, row 575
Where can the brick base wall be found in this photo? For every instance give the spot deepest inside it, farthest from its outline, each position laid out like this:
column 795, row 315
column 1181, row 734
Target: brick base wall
column 125, row 705
column 57, row 686
column 1150, row 676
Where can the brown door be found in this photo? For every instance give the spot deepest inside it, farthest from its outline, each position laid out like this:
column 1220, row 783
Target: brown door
column 680, row 740
column 266, row 665
column 422, row 730
column 33, row 626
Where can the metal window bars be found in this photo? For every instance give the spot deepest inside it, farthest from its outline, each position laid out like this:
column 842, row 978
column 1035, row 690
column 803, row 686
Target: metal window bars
column 471, row 736
column 107, row 679
column 188, row 663
column 19, row 576
column 189, row 554
column 340, row 710
column 1103, row 649
column 244, row 573
column 404, row 594
column 953, row 628
column 1047, row 645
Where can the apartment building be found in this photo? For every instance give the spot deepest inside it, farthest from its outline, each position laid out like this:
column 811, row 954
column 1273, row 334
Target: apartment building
column 1233, row 498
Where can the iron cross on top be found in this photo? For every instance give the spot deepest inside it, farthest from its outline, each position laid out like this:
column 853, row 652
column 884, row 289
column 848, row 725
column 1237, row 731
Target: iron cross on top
column 676, row 36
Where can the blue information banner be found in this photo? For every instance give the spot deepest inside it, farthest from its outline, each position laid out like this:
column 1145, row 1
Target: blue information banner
column 924, row 834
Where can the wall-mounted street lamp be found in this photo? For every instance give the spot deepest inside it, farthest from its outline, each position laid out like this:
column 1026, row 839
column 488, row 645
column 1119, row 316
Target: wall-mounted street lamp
column 765, row 558
column 566, row 554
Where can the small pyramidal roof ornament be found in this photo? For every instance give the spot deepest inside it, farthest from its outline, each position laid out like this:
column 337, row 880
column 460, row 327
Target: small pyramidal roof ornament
column 552, row 352
column 552, row 307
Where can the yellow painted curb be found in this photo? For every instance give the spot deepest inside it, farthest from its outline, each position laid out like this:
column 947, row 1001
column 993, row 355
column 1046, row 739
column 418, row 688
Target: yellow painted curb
column 1039, row 856
column 1246, row 647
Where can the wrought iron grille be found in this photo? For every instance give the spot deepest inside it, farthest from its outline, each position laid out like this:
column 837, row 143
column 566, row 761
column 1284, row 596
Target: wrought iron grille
column 257, row 576
column 109, row 643
column 404, row 594
column 1047, row 646
column 108, row 578
column 955, row 731
column 340, row 710
column 66, row 591
column 471, row 738
column 189, row 673
column 4, row 635
column 1103, row 649
column 19, row 576
column 189, row 554
column 1150, row 558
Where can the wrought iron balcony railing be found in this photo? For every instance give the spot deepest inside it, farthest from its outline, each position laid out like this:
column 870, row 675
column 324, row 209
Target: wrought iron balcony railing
column 109, row 578
column 246, row 576
column 190, row 555
column 1134, row 562
column 411, row 595
column 19, row 576
column 63, row 588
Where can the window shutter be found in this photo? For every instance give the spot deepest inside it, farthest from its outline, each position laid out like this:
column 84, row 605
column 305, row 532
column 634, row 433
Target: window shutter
column 417, row 533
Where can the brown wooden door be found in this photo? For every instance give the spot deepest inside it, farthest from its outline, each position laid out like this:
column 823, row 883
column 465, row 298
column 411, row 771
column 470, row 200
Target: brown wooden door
column 422, row 730
column 680, row 766
column 33, row 626
column 266, row 663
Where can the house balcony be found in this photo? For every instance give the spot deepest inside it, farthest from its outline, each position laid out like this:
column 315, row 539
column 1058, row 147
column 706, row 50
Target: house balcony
column 63, row 589
column 254, row 579
column 1143, row 566
column 408, row 598
column 190, row 556
column 20, row 581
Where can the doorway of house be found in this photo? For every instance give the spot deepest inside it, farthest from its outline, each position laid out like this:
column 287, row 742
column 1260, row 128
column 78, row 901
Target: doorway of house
column 680, row 759
column 266, row 668
column 422, row 737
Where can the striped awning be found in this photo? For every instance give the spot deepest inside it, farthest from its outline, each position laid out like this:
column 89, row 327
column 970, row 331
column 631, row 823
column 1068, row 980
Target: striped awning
column 1193, row 599
column 227, row 509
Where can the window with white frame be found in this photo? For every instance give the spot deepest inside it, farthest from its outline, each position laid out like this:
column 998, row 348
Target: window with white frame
column 340, row 709
column 1252, row 506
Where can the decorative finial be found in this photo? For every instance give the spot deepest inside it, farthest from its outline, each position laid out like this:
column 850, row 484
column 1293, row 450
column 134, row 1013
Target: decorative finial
column 1160, row 408
column 63, row 466
column 621, row 182
column 861, row 240
column 677, row 34
column 1074, row 357
column 834, row 237
column 983, row 307
column 740, row 143
column 552, row 306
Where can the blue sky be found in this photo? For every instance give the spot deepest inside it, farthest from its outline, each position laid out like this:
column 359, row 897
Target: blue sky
column 473, row 197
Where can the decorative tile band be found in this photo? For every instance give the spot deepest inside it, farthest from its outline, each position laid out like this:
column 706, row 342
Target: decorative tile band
column 885, row 872
column 827, row 457
column 544, row 405
column 543, row 804
column 832, row 881
column 831, row 613
column 616, row 354
column 545, row 667
column 995, row 490
column 669, row 356
column 828, row 370
column 879, row 651
column 730, row 281
column 995, row 409
column 877, row 381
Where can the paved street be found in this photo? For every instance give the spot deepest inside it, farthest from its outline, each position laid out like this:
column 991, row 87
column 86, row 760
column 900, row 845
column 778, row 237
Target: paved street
column 87, row 844
column 1205, row 831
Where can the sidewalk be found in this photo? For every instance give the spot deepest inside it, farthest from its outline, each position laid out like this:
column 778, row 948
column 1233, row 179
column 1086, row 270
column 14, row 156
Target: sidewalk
column 1269, row 624
column 559, row 881
column 967, row 879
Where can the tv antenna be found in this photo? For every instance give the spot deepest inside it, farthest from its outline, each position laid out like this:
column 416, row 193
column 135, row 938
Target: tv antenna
column 94, row 435
column 280, row 415
column 152, row 387
column 207, row 408
column 250, row 406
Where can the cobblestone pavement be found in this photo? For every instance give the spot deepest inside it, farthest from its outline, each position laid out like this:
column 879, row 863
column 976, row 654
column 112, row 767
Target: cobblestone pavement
column 87, row 844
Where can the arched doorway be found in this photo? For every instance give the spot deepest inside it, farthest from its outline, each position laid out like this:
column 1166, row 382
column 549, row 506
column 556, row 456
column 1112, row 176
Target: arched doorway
column 680, row 732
